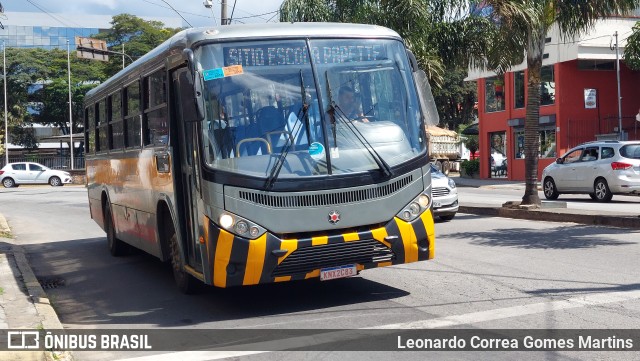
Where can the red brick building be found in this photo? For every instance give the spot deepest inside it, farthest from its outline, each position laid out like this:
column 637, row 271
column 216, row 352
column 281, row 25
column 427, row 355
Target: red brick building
column 578, row 101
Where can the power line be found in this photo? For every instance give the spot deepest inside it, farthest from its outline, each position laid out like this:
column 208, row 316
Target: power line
column 56, row 17
column 180, row 11
column 260, row 15
column 172, row 8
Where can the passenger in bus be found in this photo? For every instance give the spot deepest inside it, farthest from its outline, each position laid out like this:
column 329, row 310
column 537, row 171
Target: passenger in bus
column 348, row 105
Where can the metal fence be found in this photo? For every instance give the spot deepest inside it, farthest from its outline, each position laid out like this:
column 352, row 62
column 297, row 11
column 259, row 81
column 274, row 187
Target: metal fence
column 51, row 161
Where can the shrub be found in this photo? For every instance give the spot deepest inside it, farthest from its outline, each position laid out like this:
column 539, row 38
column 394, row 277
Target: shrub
column 471, row 167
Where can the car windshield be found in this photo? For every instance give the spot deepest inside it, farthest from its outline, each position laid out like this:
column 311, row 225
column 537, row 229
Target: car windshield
column 333, row 107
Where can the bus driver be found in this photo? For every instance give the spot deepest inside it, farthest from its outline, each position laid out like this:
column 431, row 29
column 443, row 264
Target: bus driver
column 348, row 105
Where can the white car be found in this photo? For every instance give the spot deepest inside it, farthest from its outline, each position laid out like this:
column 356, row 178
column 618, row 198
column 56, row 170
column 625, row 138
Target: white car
column 14, row 174
column 600, row 169
column 445, row 195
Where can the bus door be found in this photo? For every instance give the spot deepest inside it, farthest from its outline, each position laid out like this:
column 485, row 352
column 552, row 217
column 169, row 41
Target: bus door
column 187, row 177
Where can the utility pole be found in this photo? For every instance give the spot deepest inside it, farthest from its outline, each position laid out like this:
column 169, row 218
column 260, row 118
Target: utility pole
column 70, row 113
column 6, row 122
column 123, row 55
column 619, row 97
column 223, row 13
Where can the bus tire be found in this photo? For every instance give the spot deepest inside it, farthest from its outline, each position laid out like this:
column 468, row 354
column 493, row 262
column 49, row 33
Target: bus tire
column 117, row 248
column 185, row 282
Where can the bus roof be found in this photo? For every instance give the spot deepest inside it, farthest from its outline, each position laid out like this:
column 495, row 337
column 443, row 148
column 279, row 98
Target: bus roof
column 188, row 37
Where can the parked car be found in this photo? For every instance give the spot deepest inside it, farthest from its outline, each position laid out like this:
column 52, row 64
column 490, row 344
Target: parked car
column 14, row 174
column 600, row 169
column 445, row 195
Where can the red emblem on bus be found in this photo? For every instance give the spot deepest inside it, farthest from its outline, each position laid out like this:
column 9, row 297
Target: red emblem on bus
column 334, row 217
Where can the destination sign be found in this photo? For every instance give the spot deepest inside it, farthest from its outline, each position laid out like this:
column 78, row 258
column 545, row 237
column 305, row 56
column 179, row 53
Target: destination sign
column 273, row 54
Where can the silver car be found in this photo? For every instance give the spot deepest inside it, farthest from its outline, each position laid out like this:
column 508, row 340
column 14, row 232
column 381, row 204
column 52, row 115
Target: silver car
column 14, row 174
column 600, row 169
column 445, row 195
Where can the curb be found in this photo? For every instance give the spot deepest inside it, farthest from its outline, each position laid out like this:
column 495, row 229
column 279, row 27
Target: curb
column 622, row 221
column 50, row 320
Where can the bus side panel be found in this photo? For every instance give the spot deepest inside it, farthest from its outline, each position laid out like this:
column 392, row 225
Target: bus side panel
column 134, row 188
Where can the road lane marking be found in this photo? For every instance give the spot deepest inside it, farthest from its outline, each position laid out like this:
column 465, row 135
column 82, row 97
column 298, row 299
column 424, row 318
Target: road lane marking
column 193, row 355
column 440, row 322
column 516, row 311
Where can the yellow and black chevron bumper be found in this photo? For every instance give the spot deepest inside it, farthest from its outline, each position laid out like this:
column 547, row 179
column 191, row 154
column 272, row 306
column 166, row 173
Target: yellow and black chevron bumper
column 230, row 260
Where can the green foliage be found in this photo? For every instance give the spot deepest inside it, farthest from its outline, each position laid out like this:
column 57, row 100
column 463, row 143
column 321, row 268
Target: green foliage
column 632, row 49
column 139, row 36
column 456, row 98
column 471, row 142
column 471, row 167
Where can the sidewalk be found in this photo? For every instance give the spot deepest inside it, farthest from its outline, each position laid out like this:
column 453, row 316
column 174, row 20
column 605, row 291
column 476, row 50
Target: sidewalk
column 551, row 211
column 23, row 302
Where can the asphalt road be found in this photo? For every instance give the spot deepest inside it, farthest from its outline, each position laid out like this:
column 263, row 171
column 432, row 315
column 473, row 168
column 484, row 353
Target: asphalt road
column 488, row 273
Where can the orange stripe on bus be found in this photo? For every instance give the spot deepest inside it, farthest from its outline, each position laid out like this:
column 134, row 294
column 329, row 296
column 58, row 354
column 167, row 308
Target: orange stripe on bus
column 408, row 240
column 255, row 260
column 282, row 279
column 290, row 245
column 312, row 274
column 427, row 220
column 379, row 234
column 223, row 254
column 317, row 241
column 348, row 237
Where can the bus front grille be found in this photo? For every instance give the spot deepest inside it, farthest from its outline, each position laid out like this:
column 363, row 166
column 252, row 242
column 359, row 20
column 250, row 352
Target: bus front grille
column 325, row 199
column 307, row 259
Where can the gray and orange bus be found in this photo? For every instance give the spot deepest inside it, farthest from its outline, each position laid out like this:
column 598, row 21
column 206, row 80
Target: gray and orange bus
column 265, row 153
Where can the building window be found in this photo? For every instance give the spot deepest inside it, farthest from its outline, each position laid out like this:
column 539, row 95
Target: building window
column 547, row 147
column 494, row 94
column 518, row 89
column 547, row 86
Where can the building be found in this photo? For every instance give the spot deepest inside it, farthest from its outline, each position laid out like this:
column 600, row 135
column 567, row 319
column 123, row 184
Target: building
column 578, row 99
column 50, row 31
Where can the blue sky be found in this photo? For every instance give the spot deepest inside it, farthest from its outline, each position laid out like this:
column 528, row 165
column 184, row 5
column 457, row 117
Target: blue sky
column 248, row 11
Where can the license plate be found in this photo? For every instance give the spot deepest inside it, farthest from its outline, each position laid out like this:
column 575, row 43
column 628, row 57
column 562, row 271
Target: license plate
column 337, row 272
column 437, row 204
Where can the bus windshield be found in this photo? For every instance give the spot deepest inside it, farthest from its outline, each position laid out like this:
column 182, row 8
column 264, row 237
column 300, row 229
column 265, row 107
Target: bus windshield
column 308, row 108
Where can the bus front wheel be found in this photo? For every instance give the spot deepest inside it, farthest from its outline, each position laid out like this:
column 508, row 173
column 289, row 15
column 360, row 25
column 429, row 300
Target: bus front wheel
column 117, row 248
column 186, row 283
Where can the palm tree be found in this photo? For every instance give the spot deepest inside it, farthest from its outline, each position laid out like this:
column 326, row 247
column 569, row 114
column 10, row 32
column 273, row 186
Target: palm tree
column 572, row 18
column 447, row 31
column 632, row 50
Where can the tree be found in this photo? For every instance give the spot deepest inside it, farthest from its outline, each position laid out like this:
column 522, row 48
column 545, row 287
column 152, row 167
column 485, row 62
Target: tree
column 25, row 67
column 572, row 18
column 632, row 49
column 139, row 36
column 456, row 99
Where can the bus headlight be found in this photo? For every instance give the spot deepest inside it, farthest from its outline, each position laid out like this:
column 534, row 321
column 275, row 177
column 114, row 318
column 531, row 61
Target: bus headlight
column 240, row 226
column 226, row 221
column 414, row 209
column 254, row 232
column 423, row 200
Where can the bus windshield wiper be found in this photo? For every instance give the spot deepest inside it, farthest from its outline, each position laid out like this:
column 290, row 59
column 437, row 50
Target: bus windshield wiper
column 295, row 129
column 336, row 113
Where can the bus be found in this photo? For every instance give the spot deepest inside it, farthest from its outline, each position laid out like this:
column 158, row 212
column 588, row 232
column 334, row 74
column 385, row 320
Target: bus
column 253, row 154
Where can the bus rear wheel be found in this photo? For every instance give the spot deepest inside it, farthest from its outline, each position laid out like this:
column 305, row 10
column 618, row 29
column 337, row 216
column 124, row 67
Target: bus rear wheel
column 185, row 282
